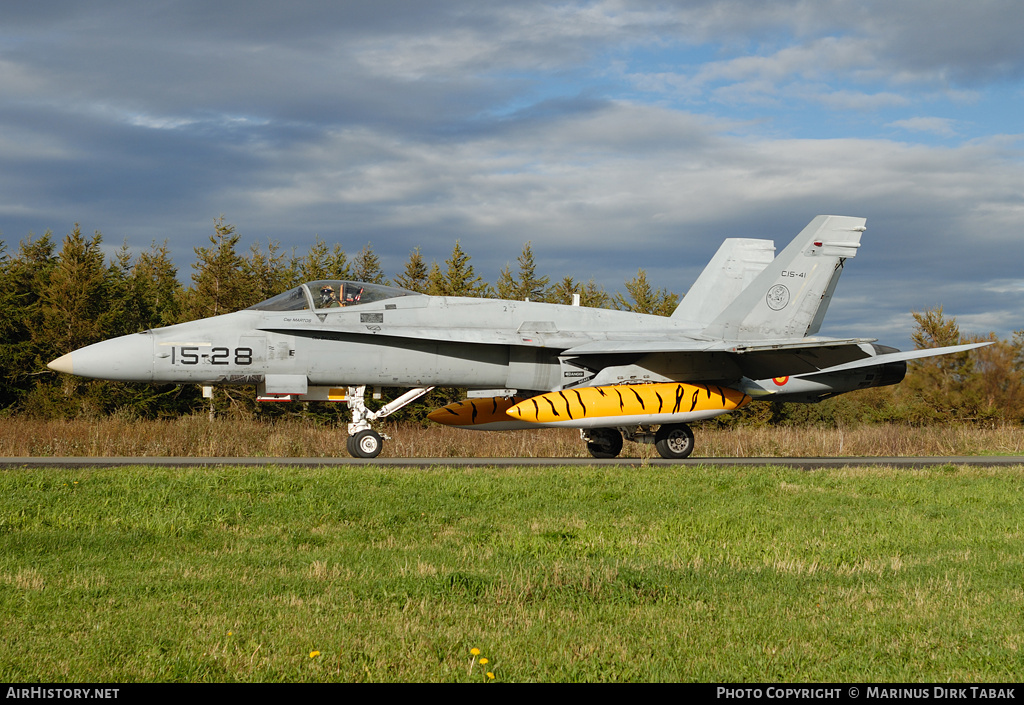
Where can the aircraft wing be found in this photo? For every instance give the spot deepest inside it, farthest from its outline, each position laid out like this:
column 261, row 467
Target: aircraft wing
column 720, row 361
column 675, row 345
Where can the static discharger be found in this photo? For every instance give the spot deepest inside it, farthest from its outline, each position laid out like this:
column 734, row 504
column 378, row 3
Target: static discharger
column 625, row 404
column 479, row 414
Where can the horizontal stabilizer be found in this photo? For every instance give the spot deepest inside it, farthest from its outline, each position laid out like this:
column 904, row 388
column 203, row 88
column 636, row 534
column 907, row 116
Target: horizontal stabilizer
column 897, row 357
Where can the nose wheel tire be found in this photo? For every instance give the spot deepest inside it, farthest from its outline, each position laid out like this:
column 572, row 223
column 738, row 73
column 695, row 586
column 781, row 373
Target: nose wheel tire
column 674, row 441
column 365, row 444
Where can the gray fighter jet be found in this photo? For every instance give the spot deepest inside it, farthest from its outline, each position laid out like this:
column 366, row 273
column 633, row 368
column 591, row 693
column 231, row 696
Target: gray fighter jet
column 745, row 331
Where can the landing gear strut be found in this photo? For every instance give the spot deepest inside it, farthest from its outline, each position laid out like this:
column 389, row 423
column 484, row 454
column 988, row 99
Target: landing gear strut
column 363, row 441
column 673, row 441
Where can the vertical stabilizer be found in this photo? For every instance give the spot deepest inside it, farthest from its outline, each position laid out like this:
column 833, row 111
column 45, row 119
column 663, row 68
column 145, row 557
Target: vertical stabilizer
column 736, row 264
column 787, row 299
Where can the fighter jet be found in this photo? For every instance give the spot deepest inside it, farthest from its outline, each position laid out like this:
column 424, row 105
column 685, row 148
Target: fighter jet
column 746, row 331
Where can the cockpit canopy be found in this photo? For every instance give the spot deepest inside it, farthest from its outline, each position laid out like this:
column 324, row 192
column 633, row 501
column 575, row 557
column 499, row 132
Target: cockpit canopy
column 330, row 293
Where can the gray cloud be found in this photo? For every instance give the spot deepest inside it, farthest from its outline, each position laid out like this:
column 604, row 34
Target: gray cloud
column 416, row 124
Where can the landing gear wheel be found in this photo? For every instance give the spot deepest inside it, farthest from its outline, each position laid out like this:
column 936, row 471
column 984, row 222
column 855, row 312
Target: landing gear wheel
column 674, row 441
column 604, row 443
column 365, row 444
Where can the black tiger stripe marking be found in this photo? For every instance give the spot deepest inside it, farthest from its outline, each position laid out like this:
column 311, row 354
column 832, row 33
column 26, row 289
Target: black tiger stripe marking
column 568, row 411
column 638, row 398
column 552, row 405
column 579, row 397
column 680, row 391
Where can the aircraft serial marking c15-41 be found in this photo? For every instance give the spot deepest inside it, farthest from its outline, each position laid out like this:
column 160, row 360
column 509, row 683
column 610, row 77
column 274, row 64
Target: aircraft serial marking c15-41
column 745, row 331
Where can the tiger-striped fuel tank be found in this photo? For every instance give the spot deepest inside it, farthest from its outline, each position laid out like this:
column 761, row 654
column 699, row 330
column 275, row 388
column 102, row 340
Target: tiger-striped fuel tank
column 627, row 404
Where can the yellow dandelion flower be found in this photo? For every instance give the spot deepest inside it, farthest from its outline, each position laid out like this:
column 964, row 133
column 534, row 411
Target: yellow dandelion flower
column 484, row 662
column 474, row 651
column 490, row 675
column 314, row 654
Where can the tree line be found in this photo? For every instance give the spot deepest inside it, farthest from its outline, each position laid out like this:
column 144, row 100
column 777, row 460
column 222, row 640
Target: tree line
column 57, row 297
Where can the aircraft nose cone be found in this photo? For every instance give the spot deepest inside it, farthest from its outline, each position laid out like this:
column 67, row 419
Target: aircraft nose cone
column 125, row 359
column 62, row 364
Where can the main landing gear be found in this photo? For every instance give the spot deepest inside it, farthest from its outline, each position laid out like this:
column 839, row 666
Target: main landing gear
column 363, row 441
column 673, row 441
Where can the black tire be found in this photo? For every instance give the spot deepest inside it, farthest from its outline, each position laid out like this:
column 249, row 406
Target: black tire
column 604, row 443
column 365, row 444
column 674, row 441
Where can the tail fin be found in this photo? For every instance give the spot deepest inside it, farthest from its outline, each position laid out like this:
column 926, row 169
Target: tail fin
column 735, row 265
column 789, row 297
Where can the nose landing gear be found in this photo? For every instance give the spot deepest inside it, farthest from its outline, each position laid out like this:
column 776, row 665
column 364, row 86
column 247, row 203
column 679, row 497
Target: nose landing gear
column 363, row 441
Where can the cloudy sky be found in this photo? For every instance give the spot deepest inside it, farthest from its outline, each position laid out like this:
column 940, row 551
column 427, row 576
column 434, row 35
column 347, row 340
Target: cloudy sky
column 612, row 135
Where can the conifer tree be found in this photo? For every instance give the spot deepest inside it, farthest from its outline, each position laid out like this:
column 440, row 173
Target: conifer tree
column 74, row 308
column 644, row 299
column 594, row 296
column 25, row 277
column 527, row 285
column 128, row 308
column 219, row 281
column 435, row 280
column 940, row 386
column 564, row 290
column 314, row 265
column 337, row 264
column 415, row 275
column 506, row 286
column 267, row 273
column 999, row 381
column 458, row 278
column 366, row 267
column 323, row 263
column 155, row 277
column 10, row 323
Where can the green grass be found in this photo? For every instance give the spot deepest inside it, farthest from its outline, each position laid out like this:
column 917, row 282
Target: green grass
column 555, row 574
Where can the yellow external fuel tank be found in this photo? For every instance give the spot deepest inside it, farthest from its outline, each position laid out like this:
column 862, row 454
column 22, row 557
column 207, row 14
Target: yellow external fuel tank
column 627, row 404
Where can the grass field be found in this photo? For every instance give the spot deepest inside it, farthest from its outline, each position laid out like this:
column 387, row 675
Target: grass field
column 554, row 574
